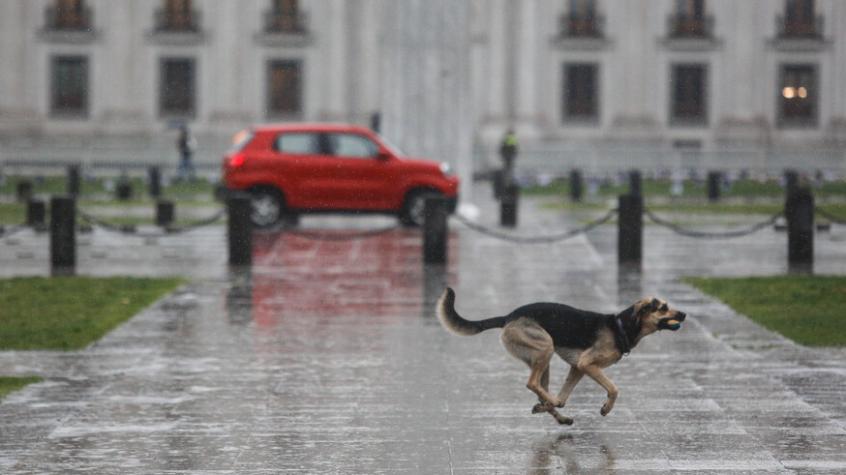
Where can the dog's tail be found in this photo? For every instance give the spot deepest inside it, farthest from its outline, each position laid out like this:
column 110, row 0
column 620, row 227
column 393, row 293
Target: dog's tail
column 453, row 322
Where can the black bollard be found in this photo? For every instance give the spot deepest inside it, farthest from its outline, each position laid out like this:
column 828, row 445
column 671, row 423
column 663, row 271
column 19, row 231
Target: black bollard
column 576, row 186
column 36, row 213
column 240, row 230
column 714, row 179
column 73, row 180
column 23, row 191
column 630, row 229
column 62, row 233
column 799, row 211
column 508, row 205
column 164, row 213
column 498, row 183
column 154, row 177
column 791, row 182
column 635, row 187
column 435, row 229
column 123, row 189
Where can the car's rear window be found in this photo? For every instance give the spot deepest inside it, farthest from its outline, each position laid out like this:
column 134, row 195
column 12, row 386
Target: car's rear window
column 351, row 145
column 301, row 143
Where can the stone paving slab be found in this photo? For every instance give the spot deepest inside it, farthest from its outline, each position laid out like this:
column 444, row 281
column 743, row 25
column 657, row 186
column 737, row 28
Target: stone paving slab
column 326, row 358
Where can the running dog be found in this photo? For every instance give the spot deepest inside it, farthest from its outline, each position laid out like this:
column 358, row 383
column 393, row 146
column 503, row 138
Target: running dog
column 587, row 341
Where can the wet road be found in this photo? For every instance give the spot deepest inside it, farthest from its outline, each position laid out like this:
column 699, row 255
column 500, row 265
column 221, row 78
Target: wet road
column 326, row 358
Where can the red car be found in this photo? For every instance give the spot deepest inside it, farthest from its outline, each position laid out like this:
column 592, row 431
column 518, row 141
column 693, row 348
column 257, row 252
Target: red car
column 306, row 168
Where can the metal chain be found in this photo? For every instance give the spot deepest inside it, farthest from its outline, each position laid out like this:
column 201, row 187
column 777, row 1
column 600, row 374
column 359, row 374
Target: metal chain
column 339, row 235
column 117, row 228
column 197, row 224
column 8, row 232
column 712, row 235
column 830, row 216
column 537, row 239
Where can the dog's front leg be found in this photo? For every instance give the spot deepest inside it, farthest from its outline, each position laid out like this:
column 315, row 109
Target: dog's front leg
column 596, row 373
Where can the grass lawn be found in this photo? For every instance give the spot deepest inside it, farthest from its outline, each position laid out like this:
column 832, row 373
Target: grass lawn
column 57, row 185
column 744, row 197
column 12, row 213
column 9, row 384
column 806, row 309
column 652, row 187
column 66, row 313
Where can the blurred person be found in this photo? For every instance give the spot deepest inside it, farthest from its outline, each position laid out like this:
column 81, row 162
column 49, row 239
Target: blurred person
column 508, row 152
column 186, row 144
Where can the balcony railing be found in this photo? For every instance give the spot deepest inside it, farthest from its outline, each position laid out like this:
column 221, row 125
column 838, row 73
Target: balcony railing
column 799, row 28
column 285, row 22
column 177, row 22
column 580, row 26
column 61, row 19
column 685, row 26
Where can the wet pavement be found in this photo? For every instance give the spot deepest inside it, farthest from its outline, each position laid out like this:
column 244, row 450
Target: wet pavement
column 327, row 358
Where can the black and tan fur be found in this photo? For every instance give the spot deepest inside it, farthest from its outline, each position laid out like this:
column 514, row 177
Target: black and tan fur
column 587, row 341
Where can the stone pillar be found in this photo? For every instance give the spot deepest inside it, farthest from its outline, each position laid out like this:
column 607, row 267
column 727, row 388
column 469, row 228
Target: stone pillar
column 336, row 105
column 19, row 71
column 233, row 30
column 426, row 82
column 493, row 53
column 526, row 64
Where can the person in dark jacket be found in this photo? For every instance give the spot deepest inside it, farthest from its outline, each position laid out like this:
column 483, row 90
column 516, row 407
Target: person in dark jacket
column 186, row 144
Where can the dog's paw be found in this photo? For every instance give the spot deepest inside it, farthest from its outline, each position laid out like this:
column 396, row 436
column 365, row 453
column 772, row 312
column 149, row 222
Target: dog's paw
column 564, row 420
column 606, row 408
column 555, row 402
column 545, row 407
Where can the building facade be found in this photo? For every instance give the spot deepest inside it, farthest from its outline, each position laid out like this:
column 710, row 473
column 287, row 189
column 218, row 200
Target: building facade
column 591, row 83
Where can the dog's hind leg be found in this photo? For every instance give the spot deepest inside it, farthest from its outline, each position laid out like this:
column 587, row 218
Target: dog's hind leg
column 572, row 379
column 542, row 406
column 530, row 343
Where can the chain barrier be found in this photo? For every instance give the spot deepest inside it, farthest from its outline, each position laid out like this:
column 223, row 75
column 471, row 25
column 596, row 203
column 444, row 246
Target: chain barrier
column 830, row 216
column 130, row 230
column 536, row 239
column 8, row 232
column 712, row 235
column 339, row 235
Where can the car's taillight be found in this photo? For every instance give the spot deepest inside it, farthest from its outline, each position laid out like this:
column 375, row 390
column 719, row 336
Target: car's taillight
column 236, row 160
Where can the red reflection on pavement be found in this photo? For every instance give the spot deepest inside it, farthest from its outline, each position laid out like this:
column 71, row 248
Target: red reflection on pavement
column 378, row 276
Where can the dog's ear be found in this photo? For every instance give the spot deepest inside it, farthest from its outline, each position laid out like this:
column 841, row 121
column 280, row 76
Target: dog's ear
column 645, row 306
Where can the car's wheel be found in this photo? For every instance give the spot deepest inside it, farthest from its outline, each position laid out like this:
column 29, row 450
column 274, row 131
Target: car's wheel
column 414, row 210
column 267, row 205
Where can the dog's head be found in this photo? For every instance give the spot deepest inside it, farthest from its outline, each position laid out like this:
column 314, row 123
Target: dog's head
column 652, row 314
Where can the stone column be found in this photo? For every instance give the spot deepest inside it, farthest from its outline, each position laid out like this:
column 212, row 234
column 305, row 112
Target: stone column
column 426, row 73
column 18, row 101
column 233, row 26
column 336, row 106
column 526, row 65
column 496, row 108
column 837, row 73
column 740, row 106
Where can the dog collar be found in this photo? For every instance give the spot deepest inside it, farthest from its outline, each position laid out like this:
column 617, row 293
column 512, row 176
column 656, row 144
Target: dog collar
column 621, row 338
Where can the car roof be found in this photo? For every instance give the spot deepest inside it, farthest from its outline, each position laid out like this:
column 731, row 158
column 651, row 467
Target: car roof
column 309, row 127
